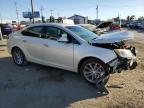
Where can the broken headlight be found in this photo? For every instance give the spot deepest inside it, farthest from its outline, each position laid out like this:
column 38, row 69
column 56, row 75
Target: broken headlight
column 124, row 53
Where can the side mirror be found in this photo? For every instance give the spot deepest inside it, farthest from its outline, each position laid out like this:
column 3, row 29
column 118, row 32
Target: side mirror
column 63, row 38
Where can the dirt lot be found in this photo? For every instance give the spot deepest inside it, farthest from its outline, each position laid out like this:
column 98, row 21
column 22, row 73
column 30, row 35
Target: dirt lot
column 36, row 86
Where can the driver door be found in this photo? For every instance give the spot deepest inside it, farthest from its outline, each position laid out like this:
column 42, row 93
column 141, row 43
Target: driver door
column 58, row 54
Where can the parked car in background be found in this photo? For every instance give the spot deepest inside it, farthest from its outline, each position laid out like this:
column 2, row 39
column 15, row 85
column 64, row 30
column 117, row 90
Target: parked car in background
column 17, row 27
column 134, row 25
column 131, row 25
column 127, row 25
column 115, row 27
column 6, row 29
column 73, row 48
column 139, row 26
column 101, row 28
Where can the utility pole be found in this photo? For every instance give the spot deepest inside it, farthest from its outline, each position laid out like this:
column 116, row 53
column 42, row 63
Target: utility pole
column 42, row 17
column 51, row 12
column 119, row 16
column 32, row 10
column 42, row 9
column 97, row 10
column 17, row 12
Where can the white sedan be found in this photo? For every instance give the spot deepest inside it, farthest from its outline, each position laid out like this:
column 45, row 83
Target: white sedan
column 73, row 48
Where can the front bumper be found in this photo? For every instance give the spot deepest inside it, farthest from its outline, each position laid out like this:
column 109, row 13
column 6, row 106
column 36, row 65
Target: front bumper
column 118, row 64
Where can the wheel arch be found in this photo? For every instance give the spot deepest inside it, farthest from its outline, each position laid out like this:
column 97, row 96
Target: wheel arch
column 25, row 62
column 85, row 58
column 14, row 47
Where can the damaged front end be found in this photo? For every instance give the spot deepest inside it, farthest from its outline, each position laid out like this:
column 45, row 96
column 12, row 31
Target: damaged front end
column 126, row 60
column 119, row 42
column 126, row 56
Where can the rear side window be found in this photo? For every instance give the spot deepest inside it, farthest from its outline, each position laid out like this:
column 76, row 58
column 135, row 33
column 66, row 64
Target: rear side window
column 36, row 31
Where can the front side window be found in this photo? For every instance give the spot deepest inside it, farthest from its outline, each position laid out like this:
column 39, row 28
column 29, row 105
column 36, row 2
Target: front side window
column 83, row 33
column 36, row 31
column 52, row 33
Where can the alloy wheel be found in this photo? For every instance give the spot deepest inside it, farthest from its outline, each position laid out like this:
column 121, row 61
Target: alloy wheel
column 93, row 72
column 18, row 57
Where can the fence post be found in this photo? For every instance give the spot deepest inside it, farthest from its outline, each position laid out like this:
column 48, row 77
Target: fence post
column 1, row 37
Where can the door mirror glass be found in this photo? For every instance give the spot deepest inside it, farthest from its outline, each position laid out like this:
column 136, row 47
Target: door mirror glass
column 63, row 38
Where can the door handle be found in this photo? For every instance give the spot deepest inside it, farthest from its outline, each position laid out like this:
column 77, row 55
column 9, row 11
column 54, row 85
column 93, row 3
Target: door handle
column 24, row 41
column 46, row 45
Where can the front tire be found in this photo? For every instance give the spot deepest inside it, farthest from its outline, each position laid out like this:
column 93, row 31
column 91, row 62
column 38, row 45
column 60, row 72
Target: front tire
column 19, row 57
column 94, row 71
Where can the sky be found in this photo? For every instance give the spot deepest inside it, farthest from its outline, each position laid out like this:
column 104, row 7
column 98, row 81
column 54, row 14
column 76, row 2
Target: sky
column 107, row 8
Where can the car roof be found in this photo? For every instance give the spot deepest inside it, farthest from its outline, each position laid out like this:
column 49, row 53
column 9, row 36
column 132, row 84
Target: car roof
column 51, row 24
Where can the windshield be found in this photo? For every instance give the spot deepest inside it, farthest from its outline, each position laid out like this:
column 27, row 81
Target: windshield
column 83, row 33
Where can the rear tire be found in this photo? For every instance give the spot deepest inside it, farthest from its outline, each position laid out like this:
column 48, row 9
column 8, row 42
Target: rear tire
column 95, row 72
column 19, row 57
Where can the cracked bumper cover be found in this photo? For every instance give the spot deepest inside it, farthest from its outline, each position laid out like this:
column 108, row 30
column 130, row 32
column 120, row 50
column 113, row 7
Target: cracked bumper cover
column 118, row 64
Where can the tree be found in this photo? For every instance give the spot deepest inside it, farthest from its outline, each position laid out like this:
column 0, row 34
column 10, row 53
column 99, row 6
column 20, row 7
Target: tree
column 128, row 18
column 141, row 18
column 131, row 18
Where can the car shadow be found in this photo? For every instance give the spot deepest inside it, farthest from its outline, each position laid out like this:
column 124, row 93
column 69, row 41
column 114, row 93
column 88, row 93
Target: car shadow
column 36, row 85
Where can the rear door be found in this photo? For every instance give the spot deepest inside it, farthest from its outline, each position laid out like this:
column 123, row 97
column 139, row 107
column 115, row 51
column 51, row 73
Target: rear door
column 32, row 40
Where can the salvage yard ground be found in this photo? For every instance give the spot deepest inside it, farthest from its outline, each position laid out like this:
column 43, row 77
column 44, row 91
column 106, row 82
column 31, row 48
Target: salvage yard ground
column 36, row 86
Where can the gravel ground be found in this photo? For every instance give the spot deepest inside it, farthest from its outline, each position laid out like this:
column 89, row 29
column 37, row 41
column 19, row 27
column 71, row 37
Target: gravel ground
column 36, row 86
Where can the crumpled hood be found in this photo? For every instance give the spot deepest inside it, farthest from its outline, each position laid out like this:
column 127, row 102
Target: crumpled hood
column 114, row 37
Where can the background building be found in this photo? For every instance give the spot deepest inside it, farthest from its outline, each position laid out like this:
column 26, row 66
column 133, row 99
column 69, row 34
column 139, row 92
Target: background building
column 79, row 19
